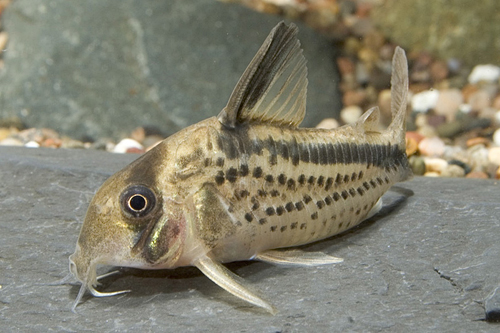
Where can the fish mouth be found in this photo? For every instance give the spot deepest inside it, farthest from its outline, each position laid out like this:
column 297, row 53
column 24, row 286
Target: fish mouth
column 89, row 280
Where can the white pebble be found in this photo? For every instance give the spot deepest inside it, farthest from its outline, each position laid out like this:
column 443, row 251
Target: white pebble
column 125, row 145
column 350, row 114
column 494, row 155
column 328, row 123
column 496, row 137
column 425, row 100
column 32, row 144
column 484, row 73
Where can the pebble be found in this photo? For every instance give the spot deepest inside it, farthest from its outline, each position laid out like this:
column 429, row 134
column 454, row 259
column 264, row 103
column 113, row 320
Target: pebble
column 417, row 164
column 494, row 155
column 411, row 146
column 477, row 174
column 448, row 102
column 384, row 102
column 476, row 141
column 478, row 157
column 484, row 73
column 461, row 164
column 425, row 100
column 492, row 306
column 415, row 136
column 439, row 70
column 453, row 170
column 432, row 147
column 128, row 145
column 32, row 144
column 354, row 97
column 435, row 164
column 328, row 123
column 496, row 137
column 11, row 142
column 350, row 114
column 479, row 100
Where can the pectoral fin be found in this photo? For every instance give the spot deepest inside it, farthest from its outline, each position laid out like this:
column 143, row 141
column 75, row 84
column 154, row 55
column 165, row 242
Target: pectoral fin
column 297, row 258
column 231, row 283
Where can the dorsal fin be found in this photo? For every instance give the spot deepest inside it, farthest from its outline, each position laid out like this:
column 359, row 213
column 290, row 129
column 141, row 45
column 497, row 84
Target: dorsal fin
column 273, row 87
column 369, row 121
column 399, row 94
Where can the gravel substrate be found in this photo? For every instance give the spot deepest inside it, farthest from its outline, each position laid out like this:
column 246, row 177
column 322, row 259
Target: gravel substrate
column 454, row 112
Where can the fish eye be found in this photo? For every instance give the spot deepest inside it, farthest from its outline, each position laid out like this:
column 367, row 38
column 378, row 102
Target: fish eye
column 138, row 200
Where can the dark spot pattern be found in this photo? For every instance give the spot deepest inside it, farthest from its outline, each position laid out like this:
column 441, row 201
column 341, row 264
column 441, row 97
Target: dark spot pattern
column 262, row 221
column 249, row 217
column 257, row 172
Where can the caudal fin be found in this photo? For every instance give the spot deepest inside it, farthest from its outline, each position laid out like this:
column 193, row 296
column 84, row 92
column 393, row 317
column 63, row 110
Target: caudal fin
column 399, row 96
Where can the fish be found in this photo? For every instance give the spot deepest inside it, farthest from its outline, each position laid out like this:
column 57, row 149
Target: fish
column 248, row 184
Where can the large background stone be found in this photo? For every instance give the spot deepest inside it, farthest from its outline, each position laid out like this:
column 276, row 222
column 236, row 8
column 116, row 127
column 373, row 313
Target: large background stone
column 467, row 30
column 427, row 265
column 96, row 68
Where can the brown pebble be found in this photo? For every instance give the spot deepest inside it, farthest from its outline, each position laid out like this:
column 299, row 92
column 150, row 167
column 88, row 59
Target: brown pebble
column 497, row 174
column 51, row 143
column 477, row 174
column 436, row 120
column 439, row 70
column 411, row 146
column 468, row 90
column 476, row 141
column 415, row 136
column 345, row 65
column 134, row 150
column 354, row 97
column 479, row 100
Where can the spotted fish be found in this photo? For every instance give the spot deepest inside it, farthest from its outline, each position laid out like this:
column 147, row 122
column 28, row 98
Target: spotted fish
column 247, row 184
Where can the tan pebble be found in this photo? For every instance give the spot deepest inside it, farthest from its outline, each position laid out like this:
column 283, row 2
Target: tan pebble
column 497, row 174
column 427, row 131
column 477, row 141
column 477, row 174
column 328, row 123
column 431, row 174
column 435, row 165
column 11, row 142
column 479, row 100
column 494, row 155
column 350, row 114
column 5, row 133
column 421, row 120
column 448, row 102
column 432, row 147
column 453, row 171
column 415, row 136
column 74, row 144
column 411, row 146
column 496, row 103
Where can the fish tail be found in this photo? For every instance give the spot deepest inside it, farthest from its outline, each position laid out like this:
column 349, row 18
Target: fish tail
column 399, row 97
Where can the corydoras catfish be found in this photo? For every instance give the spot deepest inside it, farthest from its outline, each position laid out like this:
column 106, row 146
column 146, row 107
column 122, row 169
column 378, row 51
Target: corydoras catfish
column 248, row 184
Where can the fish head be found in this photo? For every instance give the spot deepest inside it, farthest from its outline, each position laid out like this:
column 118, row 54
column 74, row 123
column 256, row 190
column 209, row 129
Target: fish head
column 132, row 221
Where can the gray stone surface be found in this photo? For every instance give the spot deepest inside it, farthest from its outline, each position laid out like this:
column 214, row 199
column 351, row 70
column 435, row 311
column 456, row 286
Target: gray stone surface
column 101, row 68
column 427, row 264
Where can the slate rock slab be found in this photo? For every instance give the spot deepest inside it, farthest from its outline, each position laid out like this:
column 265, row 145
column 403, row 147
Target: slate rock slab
column 93, row 69
column 427, row 263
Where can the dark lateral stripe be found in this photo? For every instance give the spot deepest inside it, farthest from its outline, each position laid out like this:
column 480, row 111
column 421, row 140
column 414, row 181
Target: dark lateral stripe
column 236, row 143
